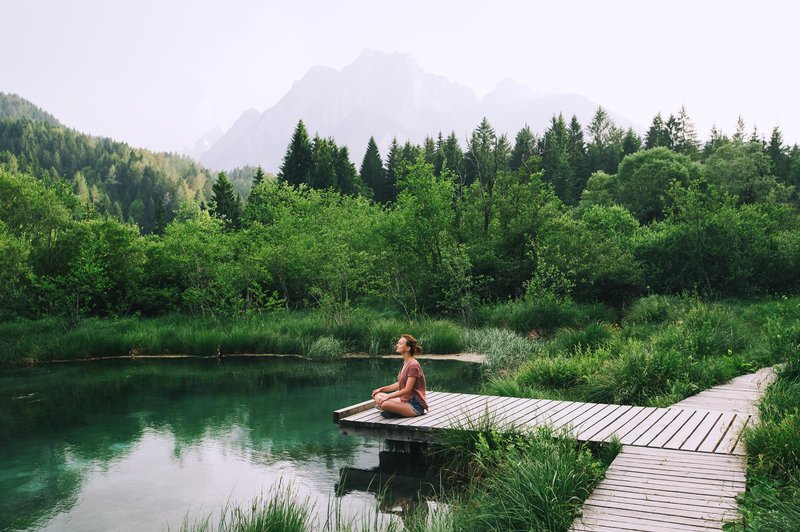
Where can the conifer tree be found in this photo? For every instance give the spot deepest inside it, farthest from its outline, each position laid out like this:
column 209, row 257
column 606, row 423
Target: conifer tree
column 778, row 154
column 524, row 148
column 658, row 135
column 388, row 191
column 685, row 139
column 576, row 151
column 299, row 159
column 429, row 151
column 453, row 157
column 631, row 143
column 372, row 173
column 258, row 178
column 224, row 203
column 555, row 158
column 347, row 180
column 739, row 135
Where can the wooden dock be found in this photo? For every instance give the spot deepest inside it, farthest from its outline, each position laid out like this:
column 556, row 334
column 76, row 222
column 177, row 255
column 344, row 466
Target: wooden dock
column 680, row 468
column 689, row 429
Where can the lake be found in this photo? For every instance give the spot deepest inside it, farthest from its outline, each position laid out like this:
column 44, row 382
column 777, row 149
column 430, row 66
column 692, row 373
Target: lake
column 141, row 444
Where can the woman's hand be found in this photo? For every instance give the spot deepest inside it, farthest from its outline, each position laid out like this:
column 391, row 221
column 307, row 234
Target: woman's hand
column 376, row 391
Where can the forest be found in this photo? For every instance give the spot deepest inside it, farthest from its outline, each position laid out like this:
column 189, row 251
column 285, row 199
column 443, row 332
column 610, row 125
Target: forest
column 595, row 214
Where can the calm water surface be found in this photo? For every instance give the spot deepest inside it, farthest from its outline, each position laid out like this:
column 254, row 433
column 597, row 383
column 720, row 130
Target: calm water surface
column 139, row 444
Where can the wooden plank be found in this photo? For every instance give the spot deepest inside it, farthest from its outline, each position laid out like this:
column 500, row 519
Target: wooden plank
column 667, row 491
column 644, row 437
column 664, row 508
column 627, row 412
column 683, row 489
column 722, row 503
column 352, row 409
column 699, row 461
column 460, row 412
column 559, row 419
column 731, row 438
column 687, row 430
column 678, row 473
column 546, row 417
column 683, row 455
column 701, row 433
column 680, row 468
column 572, row 420
column 634, row 517
column 534, row 417
column 511, row 416
column 628, row 417
column 663, row 436
column 717, row 432
column 603, row 414
column 655, row 417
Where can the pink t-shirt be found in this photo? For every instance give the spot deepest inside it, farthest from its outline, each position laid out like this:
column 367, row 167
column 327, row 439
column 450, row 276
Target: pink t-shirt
column 413, row 369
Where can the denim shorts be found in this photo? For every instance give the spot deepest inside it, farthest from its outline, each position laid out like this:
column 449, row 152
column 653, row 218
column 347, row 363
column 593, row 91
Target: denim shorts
column 416, row 404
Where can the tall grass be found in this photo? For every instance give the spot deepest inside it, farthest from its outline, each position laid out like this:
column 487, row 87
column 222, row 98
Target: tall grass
column 520, row 481
column 280, row 510
column 772, row 501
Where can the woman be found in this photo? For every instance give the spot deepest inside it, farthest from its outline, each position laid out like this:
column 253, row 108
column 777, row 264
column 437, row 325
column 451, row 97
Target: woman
column 406, row 397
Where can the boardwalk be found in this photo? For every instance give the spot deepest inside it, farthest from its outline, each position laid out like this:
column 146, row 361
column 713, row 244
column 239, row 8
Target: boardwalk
column 690, row 429
column 680, row 468
column 660, row 489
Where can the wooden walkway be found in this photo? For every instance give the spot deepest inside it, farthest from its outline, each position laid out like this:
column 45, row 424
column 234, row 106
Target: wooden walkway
column 680, row 468
column 660, row 489
column 680, row 428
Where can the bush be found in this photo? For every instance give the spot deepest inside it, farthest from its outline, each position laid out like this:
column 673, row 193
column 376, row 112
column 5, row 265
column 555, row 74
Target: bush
column 568, row 341
column 503, row 349
column 557, row 373
column 655, row 309
column 326, row 348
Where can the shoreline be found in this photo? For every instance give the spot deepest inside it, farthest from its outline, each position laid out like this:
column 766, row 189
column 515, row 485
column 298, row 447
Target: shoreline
column 473, row 358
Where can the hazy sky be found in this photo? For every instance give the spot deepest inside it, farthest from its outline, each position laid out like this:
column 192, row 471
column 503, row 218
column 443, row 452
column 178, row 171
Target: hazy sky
column 158, row 74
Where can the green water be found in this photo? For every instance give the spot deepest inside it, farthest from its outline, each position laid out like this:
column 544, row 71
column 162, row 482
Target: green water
column 139, row 444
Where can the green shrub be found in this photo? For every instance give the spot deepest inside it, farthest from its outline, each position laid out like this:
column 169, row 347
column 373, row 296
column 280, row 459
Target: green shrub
column 438, row 336
column 326, row 348
column 503, row 348
column 567, row 341
column 555, row 373
column 655, row 309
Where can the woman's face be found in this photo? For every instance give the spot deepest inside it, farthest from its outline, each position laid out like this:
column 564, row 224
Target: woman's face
column 401, row 346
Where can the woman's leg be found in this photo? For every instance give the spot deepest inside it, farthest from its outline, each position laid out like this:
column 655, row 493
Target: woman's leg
column 396, row 406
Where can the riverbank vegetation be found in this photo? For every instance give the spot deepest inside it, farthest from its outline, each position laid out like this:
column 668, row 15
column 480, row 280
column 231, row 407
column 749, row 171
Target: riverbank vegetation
column 772, row 501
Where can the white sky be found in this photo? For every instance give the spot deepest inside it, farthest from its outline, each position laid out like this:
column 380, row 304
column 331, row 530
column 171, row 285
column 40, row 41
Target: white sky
column 159, row 73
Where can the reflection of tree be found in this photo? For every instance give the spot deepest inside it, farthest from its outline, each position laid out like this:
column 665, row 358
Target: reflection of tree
column 57, row 422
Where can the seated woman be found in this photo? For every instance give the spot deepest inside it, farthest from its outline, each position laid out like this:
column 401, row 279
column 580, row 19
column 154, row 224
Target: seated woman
column 406, row 397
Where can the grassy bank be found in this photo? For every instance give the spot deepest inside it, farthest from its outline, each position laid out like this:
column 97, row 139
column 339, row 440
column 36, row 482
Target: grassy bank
column 772, row 500
column 654, row 353
column 501, row 334
column 660, row 351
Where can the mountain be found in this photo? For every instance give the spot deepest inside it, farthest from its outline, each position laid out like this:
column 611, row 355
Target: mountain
column 14, row 107
column 128, row 183
column 204, row 143
column 384, row 95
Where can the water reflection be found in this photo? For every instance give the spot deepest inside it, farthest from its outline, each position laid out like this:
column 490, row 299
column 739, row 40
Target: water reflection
column 135, row 444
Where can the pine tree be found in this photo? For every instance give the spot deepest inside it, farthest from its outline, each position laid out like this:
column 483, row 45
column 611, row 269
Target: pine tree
column 224, row 203
column 388, row 191
column 739, row 135
column 487, row 155
column 429, row 151
column 658, row 135
column 715, row 140
column 778, row 154
column 372, row 172
column 347, row 180
column 605, row 143
column 631, row 143
column 258, row 178
column 324, row 156
column 685, row 140
column 576, row 151
column 453, row 157
column 524, row 148
column 555, row 158
column 299, row 159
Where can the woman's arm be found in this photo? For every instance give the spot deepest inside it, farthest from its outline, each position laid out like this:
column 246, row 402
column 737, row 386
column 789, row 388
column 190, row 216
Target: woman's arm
column 388, row 388
column 405, row 391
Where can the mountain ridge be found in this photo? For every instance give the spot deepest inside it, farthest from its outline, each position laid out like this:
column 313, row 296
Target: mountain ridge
column 386, row 95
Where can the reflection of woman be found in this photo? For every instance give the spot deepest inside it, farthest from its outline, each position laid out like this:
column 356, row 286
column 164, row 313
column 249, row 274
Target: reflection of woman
column 406, row 397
